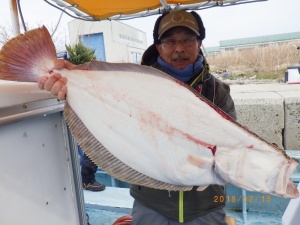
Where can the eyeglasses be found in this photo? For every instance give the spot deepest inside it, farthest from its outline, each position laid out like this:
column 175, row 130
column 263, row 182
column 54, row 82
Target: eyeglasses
column 172, row 43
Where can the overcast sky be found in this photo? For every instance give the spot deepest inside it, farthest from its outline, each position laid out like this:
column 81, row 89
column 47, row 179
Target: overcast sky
column 222, row 23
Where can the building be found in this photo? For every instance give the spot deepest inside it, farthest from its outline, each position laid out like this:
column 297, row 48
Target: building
column 112, row 41
column 252, row 42
column 211, row 50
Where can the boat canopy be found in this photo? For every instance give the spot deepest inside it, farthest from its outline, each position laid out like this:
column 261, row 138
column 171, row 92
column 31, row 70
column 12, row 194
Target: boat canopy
column 126, row 9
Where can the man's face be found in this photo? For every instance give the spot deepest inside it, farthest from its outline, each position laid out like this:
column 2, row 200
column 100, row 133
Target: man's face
column 179, row 47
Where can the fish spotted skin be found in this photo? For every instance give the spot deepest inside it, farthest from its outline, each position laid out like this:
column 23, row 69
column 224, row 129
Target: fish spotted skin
column 145, row 127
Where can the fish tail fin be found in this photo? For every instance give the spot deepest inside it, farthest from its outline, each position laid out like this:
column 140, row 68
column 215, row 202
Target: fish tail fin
column 27, row 56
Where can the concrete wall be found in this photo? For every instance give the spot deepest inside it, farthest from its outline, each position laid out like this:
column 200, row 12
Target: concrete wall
column 270, row 110
column 292, row 119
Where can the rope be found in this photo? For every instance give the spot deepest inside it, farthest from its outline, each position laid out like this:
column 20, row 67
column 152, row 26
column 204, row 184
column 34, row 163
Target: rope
column 124, row 220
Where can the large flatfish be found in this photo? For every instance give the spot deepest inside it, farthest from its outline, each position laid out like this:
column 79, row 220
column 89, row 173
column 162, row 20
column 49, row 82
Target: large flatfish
column 144, row 127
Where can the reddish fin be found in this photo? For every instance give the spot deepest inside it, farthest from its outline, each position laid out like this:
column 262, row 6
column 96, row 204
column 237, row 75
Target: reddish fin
column 27, row 56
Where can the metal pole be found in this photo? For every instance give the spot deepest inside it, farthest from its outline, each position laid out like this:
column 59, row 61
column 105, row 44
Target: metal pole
column 14, row 17
column 244, row 195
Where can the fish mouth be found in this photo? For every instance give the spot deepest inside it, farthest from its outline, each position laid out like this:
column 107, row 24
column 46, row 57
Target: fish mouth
column 273, row 179
column 287, row 189
column 291, row 190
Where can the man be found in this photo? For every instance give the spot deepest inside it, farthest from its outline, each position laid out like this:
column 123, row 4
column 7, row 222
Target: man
column 177, row 51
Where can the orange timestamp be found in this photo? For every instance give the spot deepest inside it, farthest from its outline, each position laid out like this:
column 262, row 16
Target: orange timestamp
column 247, row 198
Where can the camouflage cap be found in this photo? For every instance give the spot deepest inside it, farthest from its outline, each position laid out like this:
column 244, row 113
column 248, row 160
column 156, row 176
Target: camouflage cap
column 178, row 18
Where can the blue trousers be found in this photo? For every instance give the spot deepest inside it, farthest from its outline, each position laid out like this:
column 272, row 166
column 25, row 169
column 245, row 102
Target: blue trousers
column 88, row 168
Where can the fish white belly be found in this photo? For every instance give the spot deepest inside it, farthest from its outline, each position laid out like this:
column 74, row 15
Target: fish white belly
column 134, row 126
column 143, row 121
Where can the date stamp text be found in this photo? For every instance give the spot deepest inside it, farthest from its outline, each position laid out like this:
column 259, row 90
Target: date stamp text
column 248, row 198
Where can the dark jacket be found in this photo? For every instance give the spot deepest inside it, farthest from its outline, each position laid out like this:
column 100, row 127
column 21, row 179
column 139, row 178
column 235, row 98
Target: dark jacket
column 195, row 203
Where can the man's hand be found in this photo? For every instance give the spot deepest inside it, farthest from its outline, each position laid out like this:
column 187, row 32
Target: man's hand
column 56, row 84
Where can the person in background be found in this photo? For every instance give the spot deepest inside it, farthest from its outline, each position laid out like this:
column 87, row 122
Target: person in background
column 176, row 50
column 88, row 171
column 88, row 168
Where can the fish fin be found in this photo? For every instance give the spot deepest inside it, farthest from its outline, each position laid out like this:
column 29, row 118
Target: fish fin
column 202, row 188
column 27, row 56
column 124, row 67
column 107, row 161
column 200, row 161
